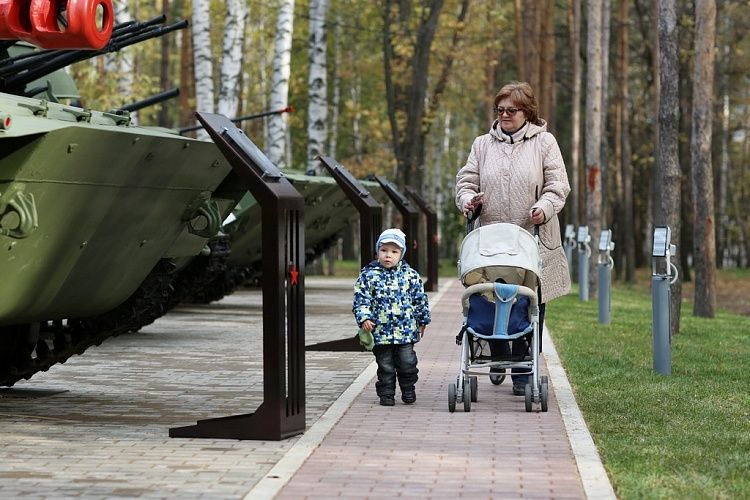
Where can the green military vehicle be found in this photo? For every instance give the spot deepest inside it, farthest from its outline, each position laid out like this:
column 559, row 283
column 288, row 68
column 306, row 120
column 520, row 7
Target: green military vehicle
column 97, row 220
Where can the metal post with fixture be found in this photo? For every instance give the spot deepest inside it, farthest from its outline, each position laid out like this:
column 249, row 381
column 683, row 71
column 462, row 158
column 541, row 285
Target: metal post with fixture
column 604, row 265
column 584, row 252
column 282, row 412
column 661, row 295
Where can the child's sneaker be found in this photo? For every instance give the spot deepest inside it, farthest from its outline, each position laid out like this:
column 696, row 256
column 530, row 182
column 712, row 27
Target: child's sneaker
column 409, row 396
column 387, row 401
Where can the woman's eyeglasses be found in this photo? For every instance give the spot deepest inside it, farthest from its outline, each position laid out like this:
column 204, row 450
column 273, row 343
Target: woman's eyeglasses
column 510, row 111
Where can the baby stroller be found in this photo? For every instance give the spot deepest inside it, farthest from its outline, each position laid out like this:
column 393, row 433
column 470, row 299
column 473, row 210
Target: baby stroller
column 499, row 266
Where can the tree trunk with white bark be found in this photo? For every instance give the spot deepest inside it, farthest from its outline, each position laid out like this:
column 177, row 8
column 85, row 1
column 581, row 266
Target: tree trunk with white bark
column 317, row 86
column 276, row 148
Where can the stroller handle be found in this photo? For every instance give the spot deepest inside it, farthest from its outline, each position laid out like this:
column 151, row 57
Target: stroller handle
column 471, row 217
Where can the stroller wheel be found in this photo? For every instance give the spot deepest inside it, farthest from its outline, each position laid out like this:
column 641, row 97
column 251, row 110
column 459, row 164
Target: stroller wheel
column 452, row 397
column 473, row 383
column 495, row 375
column 528, row 397
column 544, row 394
column 466, row 396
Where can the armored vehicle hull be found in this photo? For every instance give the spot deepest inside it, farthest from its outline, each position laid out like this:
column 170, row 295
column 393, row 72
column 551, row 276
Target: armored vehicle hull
column 96, row 217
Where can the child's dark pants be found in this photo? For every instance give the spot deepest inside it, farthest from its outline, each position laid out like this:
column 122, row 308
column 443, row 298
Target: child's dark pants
column 395, row 361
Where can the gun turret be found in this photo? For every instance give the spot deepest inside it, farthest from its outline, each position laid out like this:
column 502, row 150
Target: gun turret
column 71, row 24
column 18, row 71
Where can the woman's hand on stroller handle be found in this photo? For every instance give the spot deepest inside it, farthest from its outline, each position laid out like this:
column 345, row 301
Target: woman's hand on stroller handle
column 473, row 204
column 537, row 215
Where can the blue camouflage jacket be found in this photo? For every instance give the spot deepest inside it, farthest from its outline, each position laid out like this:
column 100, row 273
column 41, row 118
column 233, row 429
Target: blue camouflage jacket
column 393, row 299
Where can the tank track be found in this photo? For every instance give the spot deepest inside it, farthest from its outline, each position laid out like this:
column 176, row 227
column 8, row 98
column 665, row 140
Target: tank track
column 28, row 349
column 32, row 348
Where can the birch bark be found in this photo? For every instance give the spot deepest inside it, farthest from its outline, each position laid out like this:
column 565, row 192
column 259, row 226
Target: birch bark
column 276, row 148
column 204, row 81
column 317, row 85
column 231, row 57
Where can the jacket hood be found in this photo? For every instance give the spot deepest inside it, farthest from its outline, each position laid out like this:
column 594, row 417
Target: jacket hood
column 527, row 131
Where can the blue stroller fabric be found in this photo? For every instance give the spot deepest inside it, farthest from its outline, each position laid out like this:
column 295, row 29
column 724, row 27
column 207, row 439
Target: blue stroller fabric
column 481, row 316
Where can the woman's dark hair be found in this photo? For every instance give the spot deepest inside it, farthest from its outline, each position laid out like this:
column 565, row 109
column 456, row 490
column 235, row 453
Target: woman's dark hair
column 522, row 96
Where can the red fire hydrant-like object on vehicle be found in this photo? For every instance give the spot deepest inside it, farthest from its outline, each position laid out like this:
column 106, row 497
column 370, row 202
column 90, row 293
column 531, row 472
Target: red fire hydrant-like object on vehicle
column 57, row 24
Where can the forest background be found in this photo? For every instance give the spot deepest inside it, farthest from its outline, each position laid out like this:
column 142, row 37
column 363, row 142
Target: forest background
column 648, row 100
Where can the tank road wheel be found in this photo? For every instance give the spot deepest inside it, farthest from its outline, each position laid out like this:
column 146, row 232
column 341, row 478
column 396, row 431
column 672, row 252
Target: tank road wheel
column 466, row 396
column 452, row 397
column 528, row 397
column 498, row 377
column 473, row 383
column 544, row 392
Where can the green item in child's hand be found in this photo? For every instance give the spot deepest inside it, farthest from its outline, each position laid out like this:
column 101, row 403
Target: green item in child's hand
column 366, row 339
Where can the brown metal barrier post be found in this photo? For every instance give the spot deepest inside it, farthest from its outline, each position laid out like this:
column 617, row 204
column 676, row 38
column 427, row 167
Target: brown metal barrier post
column 370, row 225
column 370, row 211
column 410, row 215
column 282, row 413
column 432, row 240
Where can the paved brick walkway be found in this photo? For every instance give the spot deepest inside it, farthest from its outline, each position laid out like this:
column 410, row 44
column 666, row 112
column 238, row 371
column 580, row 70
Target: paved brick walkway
column 423, row 451
column 96, row 426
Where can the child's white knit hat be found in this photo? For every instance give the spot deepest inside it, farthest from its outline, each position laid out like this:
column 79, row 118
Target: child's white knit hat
column 392, row 235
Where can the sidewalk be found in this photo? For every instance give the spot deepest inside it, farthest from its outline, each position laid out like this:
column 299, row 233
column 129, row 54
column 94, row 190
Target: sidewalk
column 423, row 451
column 97, row 426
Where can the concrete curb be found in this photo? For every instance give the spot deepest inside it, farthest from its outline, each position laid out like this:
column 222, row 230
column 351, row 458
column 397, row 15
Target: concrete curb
column 594, row 477
column 282, row 472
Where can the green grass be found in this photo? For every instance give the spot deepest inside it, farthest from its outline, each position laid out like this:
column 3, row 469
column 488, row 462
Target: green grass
column 686, row 435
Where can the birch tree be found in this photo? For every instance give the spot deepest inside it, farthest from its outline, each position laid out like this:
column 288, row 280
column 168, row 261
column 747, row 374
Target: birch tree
column 204, row 80
column 704, row 248
column 667, row 175
column 277, row 124
column 121, row 62
column 317, row 107
column 231, row 57
column 593, row 128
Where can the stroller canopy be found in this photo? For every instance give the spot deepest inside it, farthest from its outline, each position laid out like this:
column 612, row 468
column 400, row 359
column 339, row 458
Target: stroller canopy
column 499, row 252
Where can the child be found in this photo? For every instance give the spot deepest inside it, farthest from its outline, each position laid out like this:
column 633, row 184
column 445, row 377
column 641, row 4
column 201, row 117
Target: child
column 390, row 302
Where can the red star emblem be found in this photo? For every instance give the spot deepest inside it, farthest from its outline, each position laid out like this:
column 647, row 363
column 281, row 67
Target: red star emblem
column 293, row 274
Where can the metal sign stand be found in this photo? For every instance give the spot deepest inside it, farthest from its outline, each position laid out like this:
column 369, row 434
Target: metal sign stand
column 411, row 220
column 370, row 211
column 432, row 240
column 282, row 413
column 370, row 225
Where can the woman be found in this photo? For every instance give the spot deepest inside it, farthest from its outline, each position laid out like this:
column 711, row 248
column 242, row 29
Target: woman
column 517, row 173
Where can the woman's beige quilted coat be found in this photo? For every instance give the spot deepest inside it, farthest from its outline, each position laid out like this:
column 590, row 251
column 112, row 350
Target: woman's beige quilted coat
column 517, row 173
